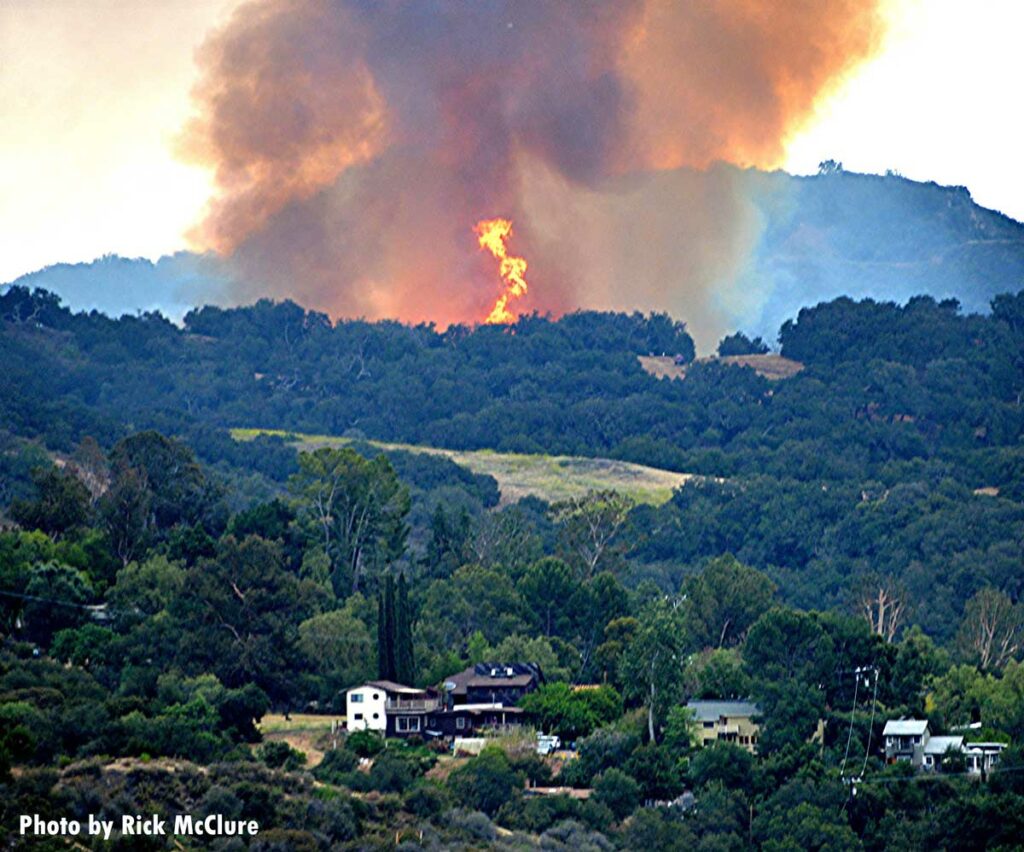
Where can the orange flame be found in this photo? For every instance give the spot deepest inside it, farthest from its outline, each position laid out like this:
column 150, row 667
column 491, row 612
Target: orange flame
column 491, row 234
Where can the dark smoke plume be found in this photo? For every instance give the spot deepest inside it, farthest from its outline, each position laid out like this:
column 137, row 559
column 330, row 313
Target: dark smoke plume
column 356, row 142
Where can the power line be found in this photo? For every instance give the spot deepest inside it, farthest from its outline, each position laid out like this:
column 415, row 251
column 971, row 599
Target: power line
column 853, row 711
column 92, row 607
column 871, row 725
column 937, row 776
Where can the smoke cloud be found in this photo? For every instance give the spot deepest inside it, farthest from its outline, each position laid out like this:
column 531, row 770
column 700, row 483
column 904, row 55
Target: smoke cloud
column 355, row 143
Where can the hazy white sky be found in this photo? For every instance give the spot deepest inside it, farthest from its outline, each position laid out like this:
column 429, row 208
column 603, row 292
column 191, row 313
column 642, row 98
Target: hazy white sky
column 943, row 102
column 93, row 92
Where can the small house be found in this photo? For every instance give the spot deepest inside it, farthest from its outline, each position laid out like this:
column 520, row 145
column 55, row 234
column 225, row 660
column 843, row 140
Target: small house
column 905, row 739
column 726, row 721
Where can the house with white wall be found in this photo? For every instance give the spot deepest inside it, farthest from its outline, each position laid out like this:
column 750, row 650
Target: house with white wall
column 366, row 706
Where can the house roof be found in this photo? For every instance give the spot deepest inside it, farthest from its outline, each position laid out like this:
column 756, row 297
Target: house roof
column 515, row 680
column 391, row 686
column 985, row 746
column 486, row 675
column 904, row 727
column 940, row 745
column 711, row 711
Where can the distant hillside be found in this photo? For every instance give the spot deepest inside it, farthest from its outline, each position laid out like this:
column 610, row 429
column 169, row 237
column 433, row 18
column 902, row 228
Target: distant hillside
column 118, row 285
column 824, row 236
column 868, row 236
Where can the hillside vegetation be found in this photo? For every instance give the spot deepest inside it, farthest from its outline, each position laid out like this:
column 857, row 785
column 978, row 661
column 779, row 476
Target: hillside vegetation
column 848, row 552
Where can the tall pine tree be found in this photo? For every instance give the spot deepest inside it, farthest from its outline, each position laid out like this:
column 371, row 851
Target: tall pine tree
column 405, row 663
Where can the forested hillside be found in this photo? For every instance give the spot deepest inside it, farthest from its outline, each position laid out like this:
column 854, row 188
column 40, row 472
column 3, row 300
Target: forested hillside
column 164, row 586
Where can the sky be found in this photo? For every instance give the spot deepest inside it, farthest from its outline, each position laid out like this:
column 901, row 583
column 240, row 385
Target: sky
column 94, row 93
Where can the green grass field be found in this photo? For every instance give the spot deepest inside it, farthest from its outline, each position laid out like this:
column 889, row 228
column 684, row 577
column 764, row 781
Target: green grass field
column 551, row 478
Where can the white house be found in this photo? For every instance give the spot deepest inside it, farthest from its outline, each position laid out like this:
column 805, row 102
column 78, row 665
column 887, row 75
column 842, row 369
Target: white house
column 366, row 705
column 911, row 740
column 905, row 740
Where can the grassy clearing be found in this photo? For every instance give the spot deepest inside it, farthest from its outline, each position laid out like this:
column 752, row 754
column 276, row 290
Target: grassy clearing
column 771, row 366
column 310, row 733
column 551, row 478
column 275, row 723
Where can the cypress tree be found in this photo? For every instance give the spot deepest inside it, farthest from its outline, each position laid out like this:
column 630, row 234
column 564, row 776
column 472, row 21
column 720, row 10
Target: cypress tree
column 382, row 632
column 387, row 651
column 405, row 663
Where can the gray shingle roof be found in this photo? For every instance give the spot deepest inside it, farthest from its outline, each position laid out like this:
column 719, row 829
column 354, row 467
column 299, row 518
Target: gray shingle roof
column 711, row 711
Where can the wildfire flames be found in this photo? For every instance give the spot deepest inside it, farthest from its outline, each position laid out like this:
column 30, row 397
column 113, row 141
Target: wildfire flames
column 491, row 234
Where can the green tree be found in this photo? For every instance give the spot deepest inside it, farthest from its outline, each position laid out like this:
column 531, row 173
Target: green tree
column 338, row 646
column 405, row 661
column 473, row 599
column 142, row 589
column 546, row 588
column 62, row 503
column 724, row 763
column 680, row 728
column 356, row 508
column 177, row 487
column 572, row 713
column 652, row 661
column 386, row 666
column 791, row 658
column 449, row 544
column 57, row 597
column 239, row 615
column 718, row 674
column 125, row 510
column 723, row 601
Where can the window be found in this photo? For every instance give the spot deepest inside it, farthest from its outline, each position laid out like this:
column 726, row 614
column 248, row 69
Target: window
column 358, row 716
column 376, row 697
column 356, row 698
column 376, row 715
column 709, row 724
column 406, row 724
column 460, row 722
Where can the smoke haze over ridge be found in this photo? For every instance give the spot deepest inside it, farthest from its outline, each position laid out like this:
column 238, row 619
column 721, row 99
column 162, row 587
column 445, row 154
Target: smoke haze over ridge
column 355, row 144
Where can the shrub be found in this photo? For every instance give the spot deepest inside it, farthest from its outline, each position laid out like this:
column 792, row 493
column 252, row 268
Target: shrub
column 365, row 743
column 473, row 823
column 486, row 782
column 279, row 755
column 618, row 791
column 426, row 799
column 335, row 766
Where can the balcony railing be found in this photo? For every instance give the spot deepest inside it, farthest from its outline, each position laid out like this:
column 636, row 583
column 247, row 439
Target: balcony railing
column 422, row 705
